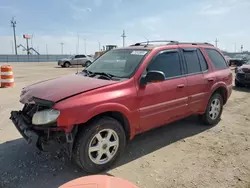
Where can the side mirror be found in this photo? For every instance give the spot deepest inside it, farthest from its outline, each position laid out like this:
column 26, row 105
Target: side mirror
column 152, row 76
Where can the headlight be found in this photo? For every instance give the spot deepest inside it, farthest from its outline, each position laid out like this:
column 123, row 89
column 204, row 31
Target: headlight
column 45, row 117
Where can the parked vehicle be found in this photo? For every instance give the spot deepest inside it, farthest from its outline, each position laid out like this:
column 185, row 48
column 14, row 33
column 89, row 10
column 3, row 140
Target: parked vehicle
column 237, row 61
column 83, row 60
column 242, row 77
column 125, row 92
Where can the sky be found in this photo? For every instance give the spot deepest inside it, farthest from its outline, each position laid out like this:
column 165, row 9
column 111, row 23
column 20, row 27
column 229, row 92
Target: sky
column 52, row 22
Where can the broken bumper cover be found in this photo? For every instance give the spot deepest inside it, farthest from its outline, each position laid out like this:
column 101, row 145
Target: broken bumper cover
column 29, row 135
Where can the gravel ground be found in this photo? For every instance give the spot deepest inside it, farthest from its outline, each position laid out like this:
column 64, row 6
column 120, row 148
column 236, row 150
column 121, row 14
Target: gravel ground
column 182, row 154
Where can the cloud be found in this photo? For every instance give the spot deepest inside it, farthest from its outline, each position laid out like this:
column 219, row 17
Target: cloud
column 222, row 7
column 211, row 10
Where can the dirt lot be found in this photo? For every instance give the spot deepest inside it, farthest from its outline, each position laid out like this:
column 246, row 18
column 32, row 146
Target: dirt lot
column 183, row 154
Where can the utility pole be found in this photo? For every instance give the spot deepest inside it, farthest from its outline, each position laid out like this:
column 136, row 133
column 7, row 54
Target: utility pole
column 123, row 38
column 216, row 42
column 47, row 50
column 235, row 47
column 78, row 43
column 28, row 51
column 12, row 47
column 62, row 47
column 241, row 48
column 13, row 24
column 85, row 47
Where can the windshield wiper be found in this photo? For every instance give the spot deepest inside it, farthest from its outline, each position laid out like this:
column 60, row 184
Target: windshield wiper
column 87, row 72
column 105, row 74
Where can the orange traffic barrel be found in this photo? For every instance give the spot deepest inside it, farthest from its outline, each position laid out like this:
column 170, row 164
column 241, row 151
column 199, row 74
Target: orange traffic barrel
column 100, row 181
column 6, row 76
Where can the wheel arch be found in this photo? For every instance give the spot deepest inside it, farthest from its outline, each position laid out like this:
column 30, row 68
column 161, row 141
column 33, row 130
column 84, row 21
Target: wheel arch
column 119, row 116
column 222, row 90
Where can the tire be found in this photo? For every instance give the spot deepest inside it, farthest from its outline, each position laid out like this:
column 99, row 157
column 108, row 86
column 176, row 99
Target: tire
column 206, row 117
column 88, row 160
column 66, row 64
column 87, row 64
column 237, row 83
column 62, row 66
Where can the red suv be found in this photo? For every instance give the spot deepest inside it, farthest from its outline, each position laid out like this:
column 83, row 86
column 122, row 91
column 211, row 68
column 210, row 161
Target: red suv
column 124, row 92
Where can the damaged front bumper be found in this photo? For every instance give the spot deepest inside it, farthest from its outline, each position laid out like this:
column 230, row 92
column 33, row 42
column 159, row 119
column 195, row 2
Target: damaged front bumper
column 44, row 138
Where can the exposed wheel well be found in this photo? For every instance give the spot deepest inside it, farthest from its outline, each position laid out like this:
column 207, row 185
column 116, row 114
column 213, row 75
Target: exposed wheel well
column 223, row 92
column 116, row 115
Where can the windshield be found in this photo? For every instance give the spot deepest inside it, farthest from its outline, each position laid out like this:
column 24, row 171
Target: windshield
column 120, row 63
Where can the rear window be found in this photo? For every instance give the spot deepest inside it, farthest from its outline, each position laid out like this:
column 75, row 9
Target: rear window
column 217, row 59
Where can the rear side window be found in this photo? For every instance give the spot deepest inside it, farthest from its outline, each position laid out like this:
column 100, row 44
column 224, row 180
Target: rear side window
column 168, row 63
column 193, row 64
column 217, row 59
column 203, row 62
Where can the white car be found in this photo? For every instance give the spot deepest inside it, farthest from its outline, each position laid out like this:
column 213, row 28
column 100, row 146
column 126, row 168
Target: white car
column 83, row 60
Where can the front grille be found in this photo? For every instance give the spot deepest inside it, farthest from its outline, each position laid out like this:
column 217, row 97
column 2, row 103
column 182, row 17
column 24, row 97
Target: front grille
column 241, row 76
column 245, row 70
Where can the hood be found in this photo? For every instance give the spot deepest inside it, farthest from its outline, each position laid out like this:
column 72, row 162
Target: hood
column 62, row 87
column 244, row 66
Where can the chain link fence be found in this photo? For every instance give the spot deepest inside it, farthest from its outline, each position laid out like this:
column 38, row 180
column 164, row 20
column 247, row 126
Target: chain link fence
column 31, row 58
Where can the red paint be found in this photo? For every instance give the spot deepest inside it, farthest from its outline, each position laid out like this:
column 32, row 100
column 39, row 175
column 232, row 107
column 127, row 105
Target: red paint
column 145, row 107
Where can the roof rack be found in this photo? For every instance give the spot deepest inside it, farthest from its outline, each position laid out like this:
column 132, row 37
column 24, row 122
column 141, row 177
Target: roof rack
column 146, row 43
column 192, row 43
column 170, row 42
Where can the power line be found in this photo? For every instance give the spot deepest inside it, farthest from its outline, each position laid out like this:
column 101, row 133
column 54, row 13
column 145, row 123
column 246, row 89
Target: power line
column 13, row 24
column 123, row 38
column 62, row 47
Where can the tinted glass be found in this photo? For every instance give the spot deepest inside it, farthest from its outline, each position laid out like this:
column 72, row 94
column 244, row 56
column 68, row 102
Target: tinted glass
column 167, row 62
column 203, row 61
column 217, row 59
column 82, row 56
column 193, row 64
column 119, row 62
column 77, row 56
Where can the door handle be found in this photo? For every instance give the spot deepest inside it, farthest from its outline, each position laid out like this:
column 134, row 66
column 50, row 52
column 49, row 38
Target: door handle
column 210, row 79
column 180, row 86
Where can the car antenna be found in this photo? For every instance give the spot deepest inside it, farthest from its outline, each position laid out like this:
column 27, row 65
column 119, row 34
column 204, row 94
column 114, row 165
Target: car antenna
column 147, row 42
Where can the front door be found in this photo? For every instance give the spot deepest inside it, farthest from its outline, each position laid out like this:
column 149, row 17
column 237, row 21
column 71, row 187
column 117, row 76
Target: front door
column 163, row 102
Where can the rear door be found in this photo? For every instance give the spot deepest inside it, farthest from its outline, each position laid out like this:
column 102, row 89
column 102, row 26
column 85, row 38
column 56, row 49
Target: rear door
column 74, row 60
column 162, row 102
column 81, row 60
column 196, row 68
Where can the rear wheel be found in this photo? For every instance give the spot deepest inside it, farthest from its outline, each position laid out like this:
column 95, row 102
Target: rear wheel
column 67, row 64
column 87, row 64
column 214, row 110
column 99, row 145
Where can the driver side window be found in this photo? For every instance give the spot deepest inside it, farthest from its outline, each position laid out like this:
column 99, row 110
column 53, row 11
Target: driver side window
column 168, row 63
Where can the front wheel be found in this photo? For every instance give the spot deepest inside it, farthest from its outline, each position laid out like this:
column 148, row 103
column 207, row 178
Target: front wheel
column 99, row 146
column 214, row 110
